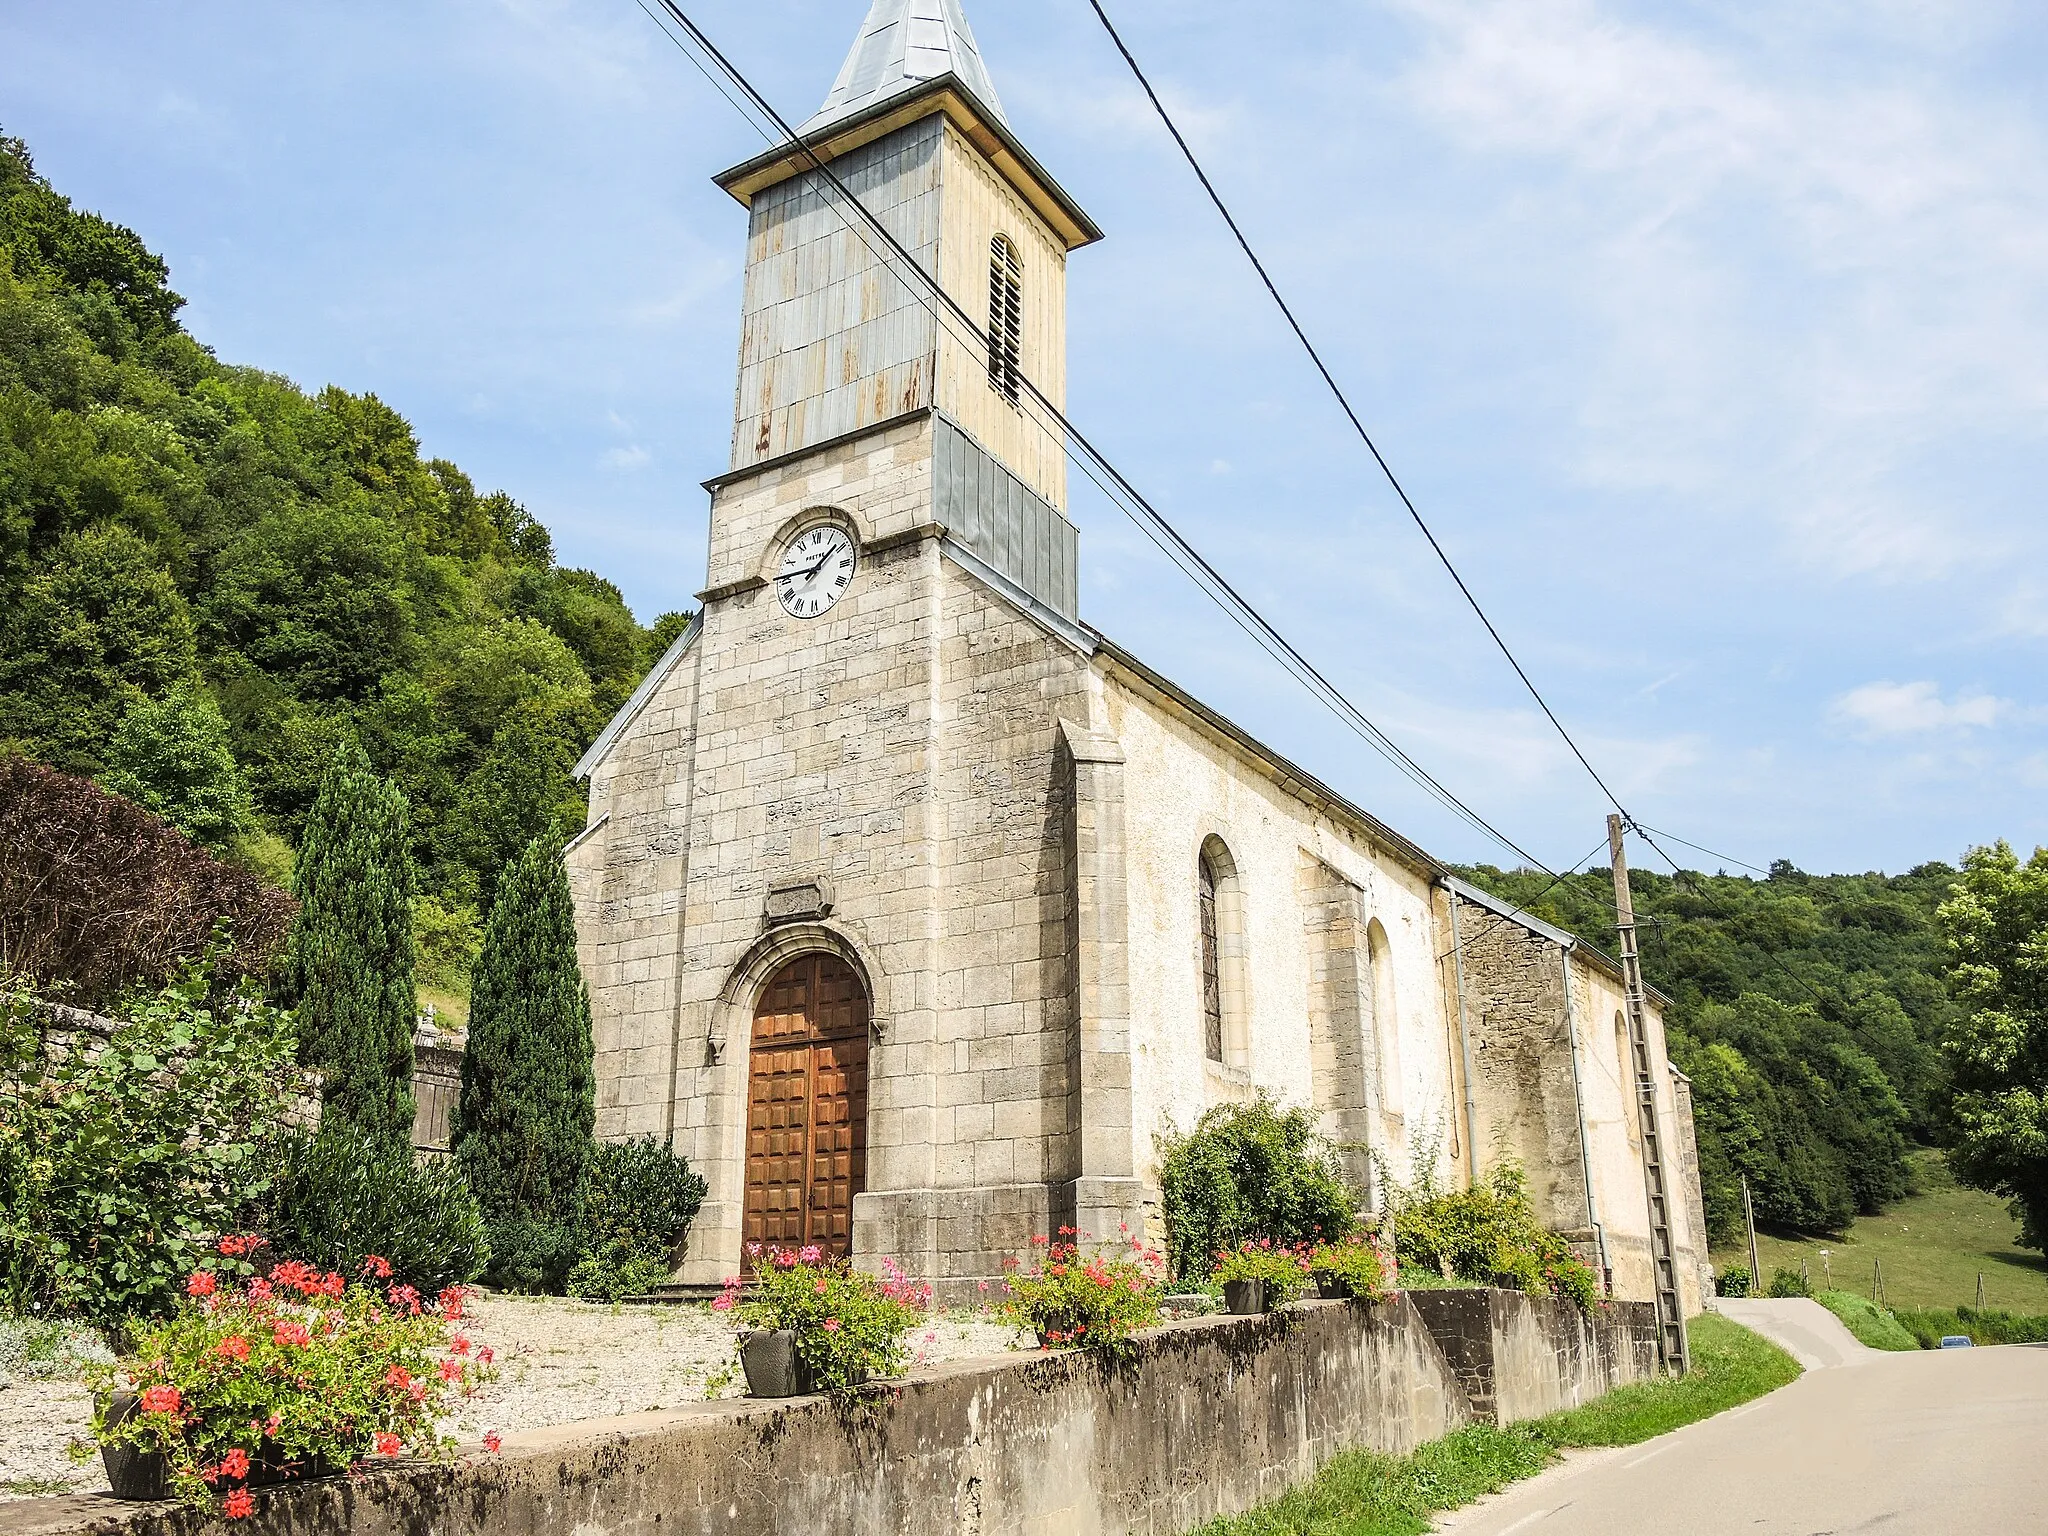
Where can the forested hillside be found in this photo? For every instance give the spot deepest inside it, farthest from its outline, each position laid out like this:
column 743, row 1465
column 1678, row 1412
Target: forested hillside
column 1808, row 1011
column 209, row 578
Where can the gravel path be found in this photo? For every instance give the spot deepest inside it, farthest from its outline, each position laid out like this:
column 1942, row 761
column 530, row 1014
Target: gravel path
column 558, row 1362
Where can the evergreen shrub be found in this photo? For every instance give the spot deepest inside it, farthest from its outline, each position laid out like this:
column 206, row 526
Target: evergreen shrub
column 529, row 1099
column 344, row 1196
column 636, row 1204
column 348, row 969
column 1249, row 1172
column 1787, row 1283
column 1733, row 1281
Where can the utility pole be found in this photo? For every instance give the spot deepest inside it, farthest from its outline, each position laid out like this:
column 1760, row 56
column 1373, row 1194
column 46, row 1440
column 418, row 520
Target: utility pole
column 1671, row 1340
column 1756, row 1273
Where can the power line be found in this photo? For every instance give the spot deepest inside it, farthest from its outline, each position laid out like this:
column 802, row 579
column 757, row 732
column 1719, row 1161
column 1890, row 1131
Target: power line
column 1351, row 415
column 1696, row 848
column 1111, row 480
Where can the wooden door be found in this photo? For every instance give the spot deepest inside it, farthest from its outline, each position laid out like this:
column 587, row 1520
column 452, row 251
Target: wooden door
column 807, row 1106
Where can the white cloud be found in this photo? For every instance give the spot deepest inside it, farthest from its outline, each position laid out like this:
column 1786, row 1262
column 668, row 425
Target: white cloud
column 1806, row 282
column 635, row 457
column 1914, row 709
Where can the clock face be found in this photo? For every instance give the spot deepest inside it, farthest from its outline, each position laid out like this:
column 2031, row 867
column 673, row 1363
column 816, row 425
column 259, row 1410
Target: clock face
column 817, row 568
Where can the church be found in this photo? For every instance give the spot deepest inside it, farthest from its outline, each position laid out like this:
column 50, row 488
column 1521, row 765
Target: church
column 914, row 909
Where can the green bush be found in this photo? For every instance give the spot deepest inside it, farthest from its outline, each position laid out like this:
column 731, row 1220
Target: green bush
column 118, row 1164
column 532, row 1253
column 1983, row 1325
column 599, row 1279
column 1787, row 1283
column 1248, row 1172
column 635, row 1205
column 1488, row 1234
column 346, row 1194
column 1733, row 1281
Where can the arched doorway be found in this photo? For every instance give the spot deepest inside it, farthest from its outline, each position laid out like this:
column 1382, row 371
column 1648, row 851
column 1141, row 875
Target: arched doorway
column 807, row 1106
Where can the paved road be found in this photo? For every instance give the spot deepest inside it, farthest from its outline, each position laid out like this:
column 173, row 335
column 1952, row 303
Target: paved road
column 1936, row 1443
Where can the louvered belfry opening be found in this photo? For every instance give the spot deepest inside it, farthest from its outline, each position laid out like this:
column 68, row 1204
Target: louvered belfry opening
column 1005, row 316
column 1212, row 968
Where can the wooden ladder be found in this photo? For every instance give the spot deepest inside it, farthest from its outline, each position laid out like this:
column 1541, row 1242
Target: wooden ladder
column 1672, row 1346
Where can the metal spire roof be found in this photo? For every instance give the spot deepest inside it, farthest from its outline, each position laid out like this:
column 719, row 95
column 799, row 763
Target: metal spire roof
column 901, row 44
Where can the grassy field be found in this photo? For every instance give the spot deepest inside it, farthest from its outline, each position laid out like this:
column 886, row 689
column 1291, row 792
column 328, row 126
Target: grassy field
column 1933, row 1247
column 1365, row 1494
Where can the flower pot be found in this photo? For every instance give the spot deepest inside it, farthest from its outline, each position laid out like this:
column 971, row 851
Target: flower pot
column 1244, row 1298
column 1057, row 1333
column 132, row 1473
column 1334, row 1287
column 773, row 1366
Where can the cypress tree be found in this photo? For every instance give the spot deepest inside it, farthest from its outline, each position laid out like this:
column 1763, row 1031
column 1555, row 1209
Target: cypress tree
column 529, row 1098
column 348, row 967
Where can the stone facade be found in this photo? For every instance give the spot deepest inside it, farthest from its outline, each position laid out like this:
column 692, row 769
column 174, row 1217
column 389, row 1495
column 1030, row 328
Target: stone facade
column 997, row 818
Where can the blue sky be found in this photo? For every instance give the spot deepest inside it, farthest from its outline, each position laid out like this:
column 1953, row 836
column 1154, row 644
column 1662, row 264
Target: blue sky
column 1711, row 338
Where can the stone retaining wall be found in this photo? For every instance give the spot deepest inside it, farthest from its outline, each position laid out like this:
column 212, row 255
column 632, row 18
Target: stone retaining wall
column 1211, row 1417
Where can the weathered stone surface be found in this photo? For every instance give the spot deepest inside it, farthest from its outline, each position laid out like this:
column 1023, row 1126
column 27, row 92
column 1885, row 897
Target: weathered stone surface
column 1212, row 1417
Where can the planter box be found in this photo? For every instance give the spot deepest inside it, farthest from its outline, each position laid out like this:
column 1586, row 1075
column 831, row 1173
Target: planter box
column 1244, row 1298
column 773, row 1366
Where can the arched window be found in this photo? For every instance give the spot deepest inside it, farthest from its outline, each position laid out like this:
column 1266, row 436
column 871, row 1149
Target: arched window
column 1005, row 316
column 1386, row 1021
column 1221, row 911
column 1212, row 961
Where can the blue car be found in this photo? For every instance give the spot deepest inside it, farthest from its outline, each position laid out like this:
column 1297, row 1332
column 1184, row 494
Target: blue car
column 1955, row 1341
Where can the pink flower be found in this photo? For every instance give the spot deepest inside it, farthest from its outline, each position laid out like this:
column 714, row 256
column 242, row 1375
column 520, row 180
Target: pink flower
column 273, row 1424
column 831, row 1325
column 821, row 1287
column 376, row 1268
column 259, row 1290
column 451, row 1370
column 238, row 1505
column 460, row 1344
column 389, row 1444
column 398, row 1377
column 452, row 1300
column 161, row 1400
column 492, row 1441
column 811, row 1253
column 200, row 1284
column 484, row 1356
column 291, row 1335
column 235, row 1464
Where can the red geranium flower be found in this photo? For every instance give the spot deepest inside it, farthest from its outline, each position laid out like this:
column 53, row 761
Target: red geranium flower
column 491, row 1441
column 389, row 1444
column 238, row 1505
column 234, row 1347
column 161, row 1400
column 235, row 1464
column 201, row 1283
column 376, row 1268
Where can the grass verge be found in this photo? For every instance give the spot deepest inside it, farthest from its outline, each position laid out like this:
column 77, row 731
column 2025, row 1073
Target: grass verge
column 1928, row 1326
column 1871, row 1324
column 1933, row 1246
column 1362, row 1493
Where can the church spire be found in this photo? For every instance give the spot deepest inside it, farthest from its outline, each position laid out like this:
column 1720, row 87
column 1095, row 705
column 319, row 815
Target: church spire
column 902, row 44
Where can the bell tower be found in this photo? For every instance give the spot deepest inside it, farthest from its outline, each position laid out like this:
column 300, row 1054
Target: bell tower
column 837, row 340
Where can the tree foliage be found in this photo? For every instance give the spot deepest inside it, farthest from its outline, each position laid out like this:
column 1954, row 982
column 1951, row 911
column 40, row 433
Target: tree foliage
column 523, row 1124
column 348, row 968
column 1808, row 1011
column 1248, row 1171
column 1997, row 927
column 99, row 896
column 174, row 528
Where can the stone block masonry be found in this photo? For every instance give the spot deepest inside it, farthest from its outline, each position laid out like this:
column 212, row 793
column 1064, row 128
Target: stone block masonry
column 1210, row 1417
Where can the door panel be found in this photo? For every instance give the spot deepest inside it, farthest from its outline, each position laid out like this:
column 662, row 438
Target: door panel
column 807, row 1106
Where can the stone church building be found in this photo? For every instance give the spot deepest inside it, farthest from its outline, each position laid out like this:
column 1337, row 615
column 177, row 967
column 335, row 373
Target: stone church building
column 912, row 907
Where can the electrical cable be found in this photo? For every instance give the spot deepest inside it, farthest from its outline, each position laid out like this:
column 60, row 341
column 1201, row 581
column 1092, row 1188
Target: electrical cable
column 1344, row 404
column 1710, row 853
column 1124, row 495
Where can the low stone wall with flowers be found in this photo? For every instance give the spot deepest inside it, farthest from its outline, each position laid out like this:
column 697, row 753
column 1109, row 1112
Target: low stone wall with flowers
column 1205, row 1417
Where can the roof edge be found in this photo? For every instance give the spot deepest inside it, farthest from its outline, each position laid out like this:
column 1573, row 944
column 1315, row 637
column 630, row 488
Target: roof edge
column 947, row 94
column 1465, row 890
column 637, row 701
column 1292, row 776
